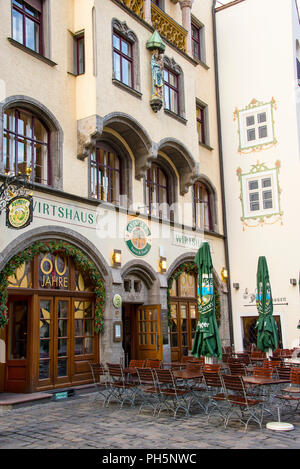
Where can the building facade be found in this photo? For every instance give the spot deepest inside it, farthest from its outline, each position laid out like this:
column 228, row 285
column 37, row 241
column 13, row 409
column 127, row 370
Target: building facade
column 109, row 108
column 259, row 107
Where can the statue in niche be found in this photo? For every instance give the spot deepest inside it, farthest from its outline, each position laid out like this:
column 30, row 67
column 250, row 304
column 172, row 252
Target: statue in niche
column 157, row 74
column 157, row 48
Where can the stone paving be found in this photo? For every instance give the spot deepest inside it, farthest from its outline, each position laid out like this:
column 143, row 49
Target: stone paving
column 82, row 423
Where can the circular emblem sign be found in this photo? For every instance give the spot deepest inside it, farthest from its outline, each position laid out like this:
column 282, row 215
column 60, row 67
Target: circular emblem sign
column 138, row 237
column 117, row 301
column 19, row 212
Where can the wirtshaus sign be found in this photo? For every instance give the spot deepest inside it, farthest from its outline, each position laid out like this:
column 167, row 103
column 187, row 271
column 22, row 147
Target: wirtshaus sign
column 138, row 237
column 64, row 212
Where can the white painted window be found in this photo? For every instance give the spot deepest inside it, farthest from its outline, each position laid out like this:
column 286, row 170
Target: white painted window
column 260, row 194
column 256, row 126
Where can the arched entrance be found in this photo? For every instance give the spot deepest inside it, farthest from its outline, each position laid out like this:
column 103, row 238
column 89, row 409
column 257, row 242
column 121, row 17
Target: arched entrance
column 54, row 311
column 141, row 313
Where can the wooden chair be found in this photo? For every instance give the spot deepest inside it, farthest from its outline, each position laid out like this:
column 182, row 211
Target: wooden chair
column 211, row 368
column 120, row 389
column 244, row 407
column 172, row 397
column 136, row 364
column 291, row 393
column 237, row 369
column 151, row 363
column 100, row 381
column 263, row 372
column 215, row 393
column 148, row 389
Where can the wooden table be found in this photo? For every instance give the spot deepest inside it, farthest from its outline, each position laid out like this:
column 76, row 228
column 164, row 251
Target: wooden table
column 179, row 364
column 261, row 381
column 187, row 374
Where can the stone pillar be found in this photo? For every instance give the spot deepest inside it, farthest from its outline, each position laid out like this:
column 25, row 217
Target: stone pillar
column 186, row 9
column 147, row 11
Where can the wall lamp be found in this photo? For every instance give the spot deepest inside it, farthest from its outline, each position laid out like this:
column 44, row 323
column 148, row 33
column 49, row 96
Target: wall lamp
column 163, row 264
column 293, row 281
column 224, row 274
column 117, row 258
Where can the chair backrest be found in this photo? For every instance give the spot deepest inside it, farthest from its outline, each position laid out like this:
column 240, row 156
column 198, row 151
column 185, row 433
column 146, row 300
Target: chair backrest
column 194, row 366
column 115, row 370
column 151, row 363
column 136, row 364
column 212, row 379
column 233, row 383
column 262, row 372
column 237, row 369
column 271, row 363
column 258, row 354
column 146, row 376
column 244, row 358
column 295, row 376
column 97, row 370
column 164, row 377
column 211, row 368
column 283, row 372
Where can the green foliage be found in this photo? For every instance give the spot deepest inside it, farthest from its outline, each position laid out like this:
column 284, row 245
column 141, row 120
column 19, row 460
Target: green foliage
column 81, row 262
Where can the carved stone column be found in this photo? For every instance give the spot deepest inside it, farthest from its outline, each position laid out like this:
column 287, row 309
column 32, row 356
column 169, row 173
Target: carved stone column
column 186, row 8
column 147, row 11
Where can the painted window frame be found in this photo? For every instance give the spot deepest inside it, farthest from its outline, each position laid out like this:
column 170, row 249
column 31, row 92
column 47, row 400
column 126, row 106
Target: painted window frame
column 207, row 215
column 128, row 59
column 258, row 217
column 149, row 190
column 254, row 109
column 79, row 37
column 96, row 165
column 18, row 138
column 36, row 20
column 169, row 88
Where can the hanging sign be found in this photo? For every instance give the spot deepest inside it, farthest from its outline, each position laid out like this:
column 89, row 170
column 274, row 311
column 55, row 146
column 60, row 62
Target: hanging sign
column 19, row 211
column 138, row 237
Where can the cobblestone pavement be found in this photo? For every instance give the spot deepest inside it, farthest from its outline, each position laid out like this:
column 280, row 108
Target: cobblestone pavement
column 82, row 422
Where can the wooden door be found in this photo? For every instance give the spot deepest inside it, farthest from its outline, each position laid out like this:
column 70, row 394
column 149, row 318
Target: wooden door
column 183, row 327
column 54, row 341
column 17, row 345
column 149, row 341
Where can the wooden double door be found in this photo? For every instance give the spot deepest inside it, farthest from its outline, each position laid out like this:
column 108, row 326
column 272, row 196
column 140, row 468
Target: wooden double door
column 183, row 326
column 50, row 340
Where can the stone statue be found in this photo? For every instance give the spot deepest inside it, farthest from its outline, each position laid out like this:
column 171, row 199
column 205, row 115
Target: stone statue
column 157, row 74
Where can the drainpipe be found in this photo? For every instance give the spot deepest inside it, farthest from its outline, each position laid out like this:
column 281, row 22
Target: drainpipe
column 222, row 170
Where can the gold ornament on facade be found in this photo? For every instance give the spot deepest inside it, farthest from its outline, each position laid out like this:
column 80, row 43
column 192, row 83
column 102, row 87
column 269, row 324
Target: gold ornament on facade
column 137, row 6
column 168, row 28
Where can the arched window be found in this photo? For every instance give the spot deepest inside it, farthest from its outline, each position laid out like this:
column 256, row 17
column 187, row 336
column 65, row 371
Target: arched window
column 105, row 179
column 202, row 207
column 26, row 145
column 157, row 192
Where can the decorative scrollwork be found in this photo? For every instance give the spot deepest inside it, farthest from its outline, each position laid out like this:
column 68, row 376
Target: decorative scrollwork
column 14, row 185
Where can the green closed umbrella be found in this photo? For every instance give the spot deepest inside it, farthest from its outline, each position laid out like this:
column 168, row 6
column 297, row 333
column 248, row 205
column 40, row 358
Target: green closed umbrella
column 267, row 334
column 207, row 341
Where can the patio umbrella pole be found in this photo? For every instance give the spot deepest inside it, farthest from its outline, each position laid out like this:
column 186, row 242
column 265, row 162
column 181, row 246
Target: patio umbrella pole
column 208, row 360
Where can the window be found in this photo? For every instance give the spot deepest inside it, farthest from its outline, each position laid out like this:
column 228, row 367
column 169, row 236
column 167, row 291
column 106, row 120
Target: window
column 159, row 3
column 157, row 192
column 171, row 91
column 196, row 46
column 105, row 175
column 79, row 59
column 256, row 125
column 26, row 145
column 202, row 207
column 201, row 116
column 123, row 60
column 27, row 24
column 260, row 194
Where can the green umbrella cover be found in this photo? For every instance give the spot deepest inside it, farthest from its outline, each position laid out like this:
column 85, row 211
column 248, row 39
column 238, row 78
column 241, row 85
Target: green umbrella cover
column 267, row 335
column 207, row 341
